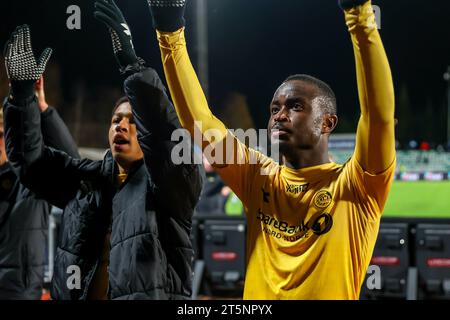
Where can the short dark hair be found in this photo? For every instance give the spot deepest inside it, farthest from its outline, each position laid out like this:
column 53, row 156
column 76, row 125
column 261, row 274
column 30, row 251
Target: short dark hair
column 329, row 105
column 122, row 100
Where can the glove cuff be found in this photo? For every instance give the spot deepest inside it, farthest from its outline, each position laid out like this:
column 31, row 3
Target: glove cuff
column 168, row 15
column 164, row 24
column 348, row 4
column 126, row 58
column 21, row 92
column 130, row 69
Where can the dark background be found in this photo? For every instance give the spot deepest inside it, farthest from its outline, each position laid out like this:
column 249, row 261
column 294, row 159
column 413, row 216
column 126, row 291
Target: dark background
column 253, row 47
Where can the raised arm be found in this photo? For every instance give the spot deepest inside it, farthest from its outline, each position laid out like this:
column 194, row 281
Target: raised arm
column 153, row 112
column 375, row 140
column 156, row 120
column 154, row 115
column 47, row 172
column 22, row 126
column 187, row 93
column 54, row 131
column 236, row 164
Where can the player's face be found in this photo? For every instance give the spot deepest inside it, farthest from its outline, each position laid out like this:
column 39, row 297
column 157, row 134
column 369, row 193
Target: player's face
column 123, row 140
column 295, row 116
column 2, row 146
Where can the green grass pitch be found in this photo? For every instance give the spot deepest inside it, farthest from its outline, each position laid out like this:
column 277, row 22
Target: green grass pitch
column 421, row 199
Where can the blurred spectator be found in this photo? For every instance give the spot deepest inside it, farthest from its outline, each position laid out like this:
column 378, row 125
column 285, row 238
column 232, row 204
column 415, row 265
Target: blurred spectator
column 440, row 148
column 413, row 144
column 216, row 198
column 424, row 146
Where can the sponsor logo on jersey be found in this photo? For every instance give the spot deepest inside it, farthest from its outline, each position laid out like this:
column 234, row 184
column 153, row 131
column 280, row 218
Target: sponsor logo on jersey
column 297, row 188
column 318, row 225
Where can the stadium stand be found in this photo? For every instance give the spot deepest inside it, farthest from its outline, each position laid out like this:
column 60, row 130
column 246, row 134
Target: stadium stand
column 417, row 161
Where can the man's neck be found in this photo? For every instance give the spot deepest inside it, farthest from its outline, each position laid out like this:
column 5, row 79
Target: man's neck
column 306, row 158
column 126, row 169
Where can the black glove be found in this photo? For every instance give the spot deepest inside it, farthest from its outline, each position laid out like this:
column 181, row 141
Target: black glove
column 348, row 4
column 168, row 15
column 108, row 13
column 21, row 66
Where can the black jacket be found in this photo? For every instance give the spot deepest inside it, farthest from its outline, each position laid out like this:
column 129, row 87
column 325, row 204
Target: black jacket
column 151, row 252
column 24, row 222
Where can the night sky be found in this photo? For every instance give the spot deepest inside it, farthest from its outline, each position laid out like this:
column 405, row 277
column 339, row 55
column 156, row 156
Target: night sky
column 254, row 48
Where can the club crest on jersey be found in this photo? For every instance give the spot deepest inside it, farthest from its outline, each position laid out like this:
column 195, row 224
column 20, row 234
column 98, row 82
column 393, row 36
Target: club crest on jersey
column 322, row 199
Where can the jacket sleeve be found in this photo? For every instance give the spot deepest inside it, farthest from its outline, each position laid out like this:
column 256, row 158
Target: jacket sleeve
column 49, row 173
column 156, row 121
column 56, row 134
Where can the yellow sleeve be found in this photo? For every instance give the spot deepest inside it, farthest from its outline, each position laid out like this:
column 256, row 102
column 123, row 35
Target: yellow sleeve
column 375, row 138
column 241, row 165
column 372, row 189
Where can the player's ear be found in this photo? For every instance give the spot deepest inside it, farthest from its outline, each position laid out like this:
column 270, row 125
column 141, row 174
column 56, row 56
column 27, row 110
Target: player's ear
column 329, row 123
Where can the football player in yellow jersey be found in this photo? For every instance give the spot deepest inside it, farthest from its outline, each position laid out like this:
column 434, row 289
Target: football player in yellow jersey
column 312, row 224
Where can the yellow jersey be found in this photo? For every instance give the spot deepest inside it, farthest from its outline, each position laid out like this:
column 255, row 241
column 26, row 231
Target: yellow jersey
column 311, row 232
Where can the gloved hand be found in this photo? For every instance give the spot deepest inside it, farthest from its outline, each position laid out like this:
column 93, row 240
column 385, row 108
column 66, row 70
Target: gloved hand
column 22, row 68
column 168, row 15
column 108, row 13
column 347, row 4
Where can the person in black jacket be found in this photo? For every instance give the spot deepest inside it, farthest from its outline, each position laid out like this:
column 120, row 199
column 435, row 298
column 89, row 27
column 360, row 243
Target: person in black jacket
column 23, row 216
column 127, row 219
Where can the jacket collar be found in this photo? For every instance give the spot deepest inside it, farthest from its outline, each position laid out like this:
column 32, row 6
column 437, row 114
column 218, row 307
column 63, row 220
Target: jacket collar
column 7, row 167
column 109, row 168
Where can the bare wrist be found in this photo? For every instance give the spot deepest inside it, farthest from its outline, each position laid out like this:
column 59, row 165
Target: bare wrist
column 43, row 105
